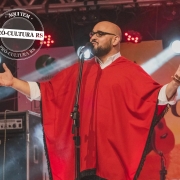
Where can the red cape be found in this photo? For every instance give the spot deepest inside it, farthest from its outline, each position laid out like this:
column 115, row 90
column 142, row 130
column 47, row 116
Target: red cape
column 117, row 108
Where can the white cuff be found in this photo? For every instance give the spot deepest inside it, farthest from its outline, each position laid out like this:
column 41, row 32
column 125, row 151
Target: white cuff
column 163, row 99
column 35, row 93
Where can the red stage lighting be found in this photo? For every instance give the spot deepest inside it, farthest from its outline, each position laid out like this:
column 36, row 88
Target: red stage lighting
column 47, row 40
column 133, row 36
column 126, row 34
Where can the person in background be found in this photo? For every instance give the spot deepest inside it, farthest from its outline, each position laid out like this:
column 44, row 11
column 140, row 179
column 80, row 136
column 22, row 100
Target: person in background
column 119, row 105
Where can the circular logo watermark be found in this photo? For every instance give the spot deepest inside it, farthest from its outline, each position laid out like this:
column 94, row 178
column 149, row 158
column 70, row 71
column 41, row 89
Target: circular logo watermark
column 20, row 33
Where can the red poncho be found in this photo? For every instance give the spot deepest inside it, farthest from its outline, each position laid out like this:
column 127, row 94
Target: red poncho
column 117, row 107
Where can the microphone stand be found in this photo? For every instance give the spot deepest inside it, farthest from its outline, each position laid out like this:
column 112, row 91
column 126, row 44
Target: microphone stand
column 75, row 117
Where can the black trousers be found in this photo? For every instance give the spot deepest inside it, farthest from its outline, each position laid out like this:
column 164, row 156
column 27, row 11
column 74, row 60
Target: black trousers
column 91, row 177
column 89, row 174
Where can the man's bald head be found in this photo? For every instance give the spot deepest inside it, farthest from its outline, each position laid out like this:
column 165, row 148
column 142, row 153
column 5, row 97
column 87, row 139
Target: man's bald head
column 109, row 27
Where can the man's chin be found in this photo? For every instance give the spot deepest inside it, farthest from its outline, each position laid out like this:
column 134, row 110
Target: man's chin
column 94, row 50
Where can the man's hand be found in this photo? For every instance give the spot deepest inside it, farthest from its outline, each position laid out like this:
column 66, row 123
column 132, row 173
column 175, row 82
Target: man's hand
column 176, row 76
column 6, row 78
column 178, row 71
column 173, row 85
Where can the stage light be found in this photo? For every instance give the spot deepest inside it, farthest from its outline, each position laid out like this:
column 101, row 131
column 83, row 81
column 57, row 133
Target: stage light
column 175, row 46
column 47, row 40
column 133, row 36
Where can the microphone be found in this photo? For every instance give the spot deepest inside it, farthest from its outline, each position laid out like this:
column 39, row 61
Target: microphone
column 82, row 49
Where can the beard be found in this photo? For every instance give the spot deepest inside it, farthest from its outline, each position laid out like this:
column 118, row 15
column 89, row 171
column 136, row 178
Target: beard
column 102, row 51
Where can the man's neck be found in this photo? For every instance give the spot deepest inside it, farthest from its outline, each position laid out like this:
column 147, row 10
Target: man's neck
column 108, row 61
column 105, row 58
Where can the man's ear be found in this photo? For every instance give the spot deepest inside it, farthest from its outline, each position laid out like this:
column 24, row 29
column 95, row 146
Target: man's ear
column 115, row 40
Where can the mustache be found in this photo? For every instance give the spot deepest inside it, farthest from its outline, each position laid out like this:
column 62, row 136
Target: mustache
column 93, row 41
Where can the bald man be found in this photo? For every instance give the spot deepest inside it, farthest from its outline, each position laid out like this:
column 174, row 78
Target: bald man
column 119, row 106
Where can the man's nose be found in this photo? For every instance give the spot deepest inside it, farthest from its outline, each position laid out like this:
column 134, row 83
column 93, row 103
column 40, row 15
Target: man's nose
column 93, row 37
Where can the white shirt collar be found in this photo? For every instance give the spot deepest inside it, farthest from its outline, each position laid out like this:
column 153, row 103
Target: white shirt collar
column 108, row 61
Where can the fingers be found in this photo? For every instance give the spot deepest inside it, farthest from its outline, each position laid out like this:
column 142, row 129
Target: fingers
column 178, row 71
column 176, row 76
column 5, row 67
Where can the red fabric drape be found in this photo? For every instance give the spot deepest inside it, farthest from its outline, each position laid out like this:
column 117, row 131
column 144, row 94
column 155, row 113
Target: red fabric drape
column 117, row 105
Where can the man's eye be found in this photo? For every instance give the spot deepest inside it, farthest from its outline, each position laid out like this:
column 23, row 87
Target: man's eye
column 100, row 33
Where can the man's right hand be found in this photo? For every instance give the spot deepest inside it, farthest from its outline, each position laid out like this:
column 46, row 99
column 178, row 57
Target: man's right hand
column 6, row 78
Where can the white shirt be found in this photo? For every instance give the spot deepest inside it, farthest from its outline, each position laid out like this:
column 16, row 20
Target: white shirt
column 35, row 93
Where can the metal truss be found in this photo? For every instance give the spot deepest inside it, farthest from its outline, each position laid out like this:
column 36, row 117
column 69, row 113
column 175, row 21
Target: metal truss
column 58, row 6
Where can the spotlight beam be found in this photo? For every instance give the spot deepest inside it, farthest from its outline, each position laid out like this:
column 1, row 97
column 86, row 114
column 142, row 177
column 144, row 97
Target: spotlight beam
column 57, row 67
column 158, row 61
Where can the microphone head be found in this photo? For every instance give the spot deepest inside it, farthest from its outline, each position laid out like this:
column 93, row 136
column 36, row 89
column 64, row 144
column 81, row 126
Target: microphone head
column 82, row 49
column 89, row 46
column 79, row 50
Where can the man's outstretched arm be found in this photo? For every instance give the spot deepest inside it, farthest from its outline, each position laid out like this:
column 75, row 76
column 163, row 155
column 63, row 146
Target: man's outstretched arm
column 172, row 87
column 7, row 79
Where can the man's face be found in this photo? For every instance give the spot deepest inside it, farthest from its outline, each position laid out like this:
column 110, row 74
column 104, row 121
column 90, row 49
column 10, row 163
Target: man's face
column 101, row 44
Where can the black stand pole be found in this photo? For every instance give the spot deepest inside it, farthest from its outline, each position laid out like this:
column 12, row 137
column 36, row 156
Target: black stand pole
column 75, row 116
column 163, row 170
